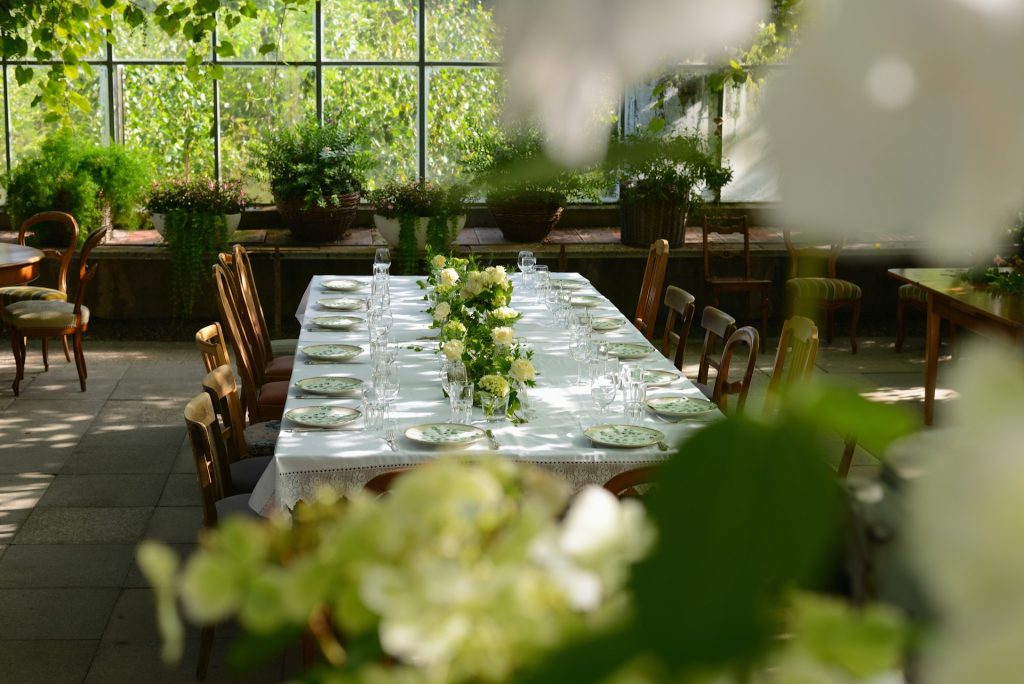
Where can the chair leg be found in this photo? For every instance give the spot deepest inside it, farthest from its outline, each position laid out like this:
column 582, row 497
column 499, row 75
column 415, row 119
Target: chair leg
column 80, row 360
column 855, row 317
column 46, row 355
column 67, row 351
column 829, row 317
column 205, row 650
column 849, row 446
column 19, row 360
column 899, row 326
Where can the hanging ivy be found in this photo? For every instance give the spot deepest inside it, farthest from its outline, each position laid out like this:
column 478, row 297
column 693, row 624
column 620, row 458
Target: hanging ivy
column 194, row 238
column 407, row 244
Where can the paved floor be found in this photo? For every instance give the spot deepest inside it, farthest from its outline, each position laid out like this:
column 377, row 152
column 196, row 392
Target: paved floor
column 85, row 477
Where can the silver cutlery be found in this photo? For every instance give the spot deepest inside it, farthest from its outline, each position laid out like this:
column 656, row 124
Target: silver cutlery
column 389, row 437
column 319, row 429
column 491, row 440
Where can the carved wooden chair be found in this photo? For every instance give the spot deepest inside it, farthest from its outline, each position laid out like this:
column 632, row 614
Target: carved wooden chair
column 633, row 483
column 724, row 388
column 212, row 346
column 247, row 280
column 814, row 291
column 799, row 346
column 650, row 290
column 381, row 484
column 681, row 308
column 54, row 318
column 22, row 293
column 718, row 326
column 733, row 284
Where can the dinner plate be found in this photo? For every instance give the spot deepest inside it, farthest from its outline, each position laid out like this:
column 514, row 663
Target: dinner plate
column 654, row 377
column 680, row 406
column 336, row 322
column 566, row 284
column 331, row 352
column 628, row 350
column 343, row 304
column 341, row 285
column 603, row 324
column 445, row 434
column 625, row 436
column 329, row 385
column 584, row 300
column 322, row 416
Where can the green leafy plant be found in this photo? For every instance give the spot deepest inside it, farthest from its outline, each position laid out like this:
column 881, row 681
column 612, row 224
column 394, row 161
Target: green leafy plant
column 314, row 163
column 85, row 180
column 408, row 202
column 204, row 195
column 652, row 167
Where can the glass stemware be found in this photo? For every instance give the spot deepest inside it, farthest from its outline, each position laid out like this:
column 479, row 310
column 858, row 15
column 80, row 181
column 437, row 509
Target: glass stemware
column 603, row 385
column 382, row 260
column 580, row 348
column 386, row 382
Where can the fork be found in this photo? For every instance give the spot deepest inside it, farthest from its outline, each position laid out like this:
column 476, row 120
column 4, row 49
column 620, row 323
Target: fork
column 390, row 434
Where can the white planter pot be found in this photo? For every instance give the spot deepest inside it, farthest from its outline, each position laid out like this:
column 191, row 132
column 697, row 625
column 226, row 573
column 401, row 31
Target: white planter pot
column 232, row 220
column 390, row 230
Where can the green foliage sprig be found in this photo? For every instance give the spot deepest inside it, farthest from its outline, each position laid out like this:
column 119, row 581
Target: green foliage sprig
column 314, row 163
column 652, row 167
column 203, row 195
column 193, row 238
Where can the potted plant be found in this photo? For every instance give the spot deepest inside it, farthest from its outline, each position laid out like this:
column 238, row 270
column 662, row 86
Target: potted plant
column 661, row 179
column 316, row 173
column 418, row 215
column 525, row 192
column 197, row 218
column 98, row 185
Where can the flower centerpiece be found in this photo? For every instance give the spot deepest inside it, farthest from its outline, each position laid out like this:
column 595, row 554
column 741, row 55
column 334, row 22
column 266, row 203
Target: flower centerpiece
column 470, row 307
column 472, row 586
column 418, row 215
column 196, row 218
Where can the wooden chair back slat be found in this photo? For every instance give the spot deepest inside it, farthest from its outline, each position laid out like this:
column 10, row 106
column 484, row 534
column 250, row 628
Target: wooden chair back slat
column 381, row 484
column 220, row 385
column 624, row 485
column 203, row 433
column 213, row 346
column 725, row 225
column 86, row 271
column 681, row 309
column 828, row 253
column 260, row 356
column 718, row 326
column 247, row 284
column 243, row 356
column 724, row 388
column 650, row 290
column 799, row 346
column 65, row 256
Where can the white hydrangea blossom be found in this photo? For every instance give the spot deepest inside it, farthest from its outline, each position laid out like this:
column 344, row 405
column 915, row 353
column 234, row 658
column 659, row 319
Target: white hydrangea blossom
column 453, row 349
column 442, row 311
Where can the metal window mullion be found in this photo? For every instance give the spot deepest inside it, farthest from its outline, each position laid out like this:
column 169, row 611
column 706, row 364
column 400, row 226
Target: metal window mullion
column 112, row 119
column 318, row 41
column 216, row 107
column 421, row 98
column 7, row 119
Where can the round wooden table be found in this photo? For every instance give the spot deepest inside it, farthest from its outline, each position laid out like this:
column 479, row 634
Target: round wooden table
column 18, row 264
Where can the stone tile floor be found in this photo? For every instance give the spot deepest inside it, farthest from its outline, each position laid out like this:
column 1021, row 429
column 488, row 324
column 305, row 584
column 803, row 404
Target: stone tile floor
column 85, row 476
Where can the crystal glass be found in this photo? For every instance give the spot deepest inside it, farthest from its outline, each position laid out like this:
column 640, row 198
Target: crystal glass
column 452, row 372
column 634, row 394
column 541, row 281
column 604, row 384
column 373, row 407
column 382, row 261
column 380, row 322
column 580, row 348
column 460, row 398
column 386, row 382
column 494, row 406
column 523, row 395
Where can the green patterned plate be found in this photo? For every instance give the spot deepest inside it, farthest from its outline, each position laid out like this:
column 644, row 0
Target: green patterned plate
column 679, row 406
column 331, row 352
column 659, row 378
column 603, row 324
column 445, row 434
column 566, row 284
column 343, row 304
column 329, row 385
column 341, row 285
column 627, row 436
column 627, row 350
column 337, row 322
column 584, row 300
column 326, row 417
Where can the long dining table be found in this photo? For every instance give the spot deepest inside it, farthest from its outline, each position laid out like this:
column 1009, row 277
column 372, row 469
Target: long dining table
column 346, row 458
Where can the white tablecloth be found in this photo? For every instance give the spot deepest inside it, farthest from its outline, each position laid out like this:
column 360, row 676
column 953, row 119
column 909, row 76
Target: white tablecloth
column 347, row 459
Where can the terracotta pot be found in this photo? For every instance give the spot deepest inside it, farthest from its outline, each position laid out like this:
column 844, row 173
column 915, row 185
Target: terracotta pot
column 525, row 222
column 319, row 224
column 390, row 229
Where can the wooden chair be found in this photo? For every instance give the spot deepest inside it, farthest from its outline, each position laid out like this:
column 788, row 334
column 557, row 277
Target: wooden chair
column 734, row 284
column 625, row 484
column 724, row 388
column 250, row 317
column 381, row 484
column 718, row 327
column 681, row 308
column 261, row 400
column 54, row 318
column 246, row 461
column 207, row 453
column 213, row 346
column 799, row 345
column 917, row 298
column 828, row 293
column 247, row 279
column 650, row 290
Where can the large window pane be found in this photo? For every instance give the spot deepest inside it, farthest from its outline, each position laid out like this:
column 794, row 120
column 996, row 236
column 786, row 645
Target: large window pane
column 253, row 100
column 683, row 101
column 461, row 30
column 29, row 125
column 290, row 30
column 463, row 105
column 745, row 146
column 382, row 102
column 146, row 42
column 171, row 116
column 380, row 30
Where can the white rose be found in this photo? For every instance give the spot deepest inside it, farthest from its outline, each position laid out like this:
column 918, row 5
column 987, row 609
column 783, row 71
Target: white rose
column 522, row 370
column 505, row 313
column 502, row 335
column 449, row 276
column 439, row 261
column 453, row 349
column 442, row 311
column 496, row 274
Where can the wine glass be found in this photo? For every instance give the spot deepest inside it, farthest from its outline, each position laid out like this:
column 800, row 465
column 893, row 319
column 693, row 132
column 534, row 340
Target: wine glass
column 603, row 385
column 380, row 322
column 452, row 372
column 386, row 382
column 382, row 260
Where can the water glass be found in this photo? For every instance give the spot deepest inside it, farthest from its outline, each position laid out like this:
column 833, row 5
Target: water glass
column 452, row 372
column 494, row 406
column 580, row 348
column 460, row 398
column 386, row 381
column 373, row 408
column 604, row 384
column 523, row 395
column 634, row 395
column 382, row 261
column 541, row 281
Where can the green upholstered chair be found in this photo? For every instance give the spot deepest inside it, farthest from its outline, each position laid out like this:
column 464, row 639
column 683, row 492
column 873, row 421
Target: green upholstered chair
column 916, row 298
column 821, row 292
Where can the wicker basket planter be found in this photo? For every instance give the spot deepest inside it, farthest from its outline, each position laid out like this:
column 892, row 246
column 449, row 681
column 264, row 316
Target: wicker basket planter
column 526, row 222
column 647, row 220
column 319, row 224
